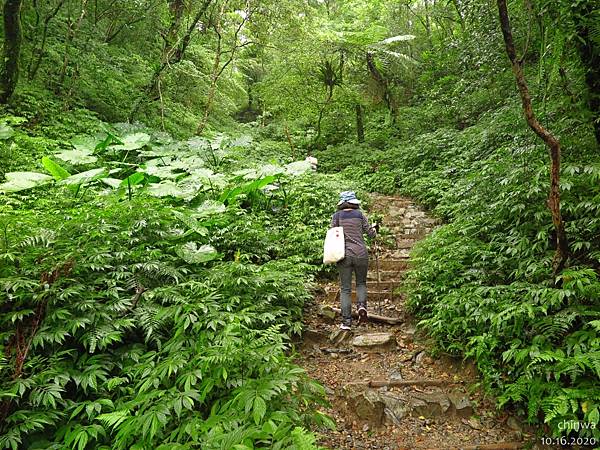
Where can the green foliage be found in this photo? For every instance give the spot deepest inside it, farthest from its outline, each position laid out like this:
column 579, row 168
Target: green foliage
column 19, row 181
column 483, row 283
column 55, row 169
column 156, row 294
column 137, row 334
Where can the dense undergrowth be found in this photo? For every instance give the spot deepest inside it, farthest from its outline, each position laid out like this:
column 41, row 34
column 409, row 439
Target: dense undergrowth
column 151, row 290
column 483, row 283
column 150, row 282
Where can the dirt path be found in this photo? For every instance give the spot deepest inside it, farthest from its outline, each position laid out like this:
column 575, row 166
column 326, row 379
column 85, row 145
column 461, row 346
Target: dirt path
column 425, row 402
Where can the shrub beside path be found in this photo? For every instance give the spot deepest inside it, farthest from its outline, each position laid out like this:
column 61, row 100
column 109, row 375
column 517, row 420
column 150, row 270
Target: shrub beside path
column 387, row 390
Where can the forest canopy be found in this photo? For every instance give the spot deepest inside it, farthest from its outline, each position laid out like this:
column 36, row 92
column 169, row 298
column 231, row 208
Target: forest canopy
column 160, row 229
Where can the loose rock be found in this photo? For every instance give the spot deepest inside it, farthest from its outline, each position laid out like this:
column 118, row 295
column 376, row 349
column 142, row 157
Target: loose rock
column 419, row 358
column 461, row 403
column 338, row 337
column 328, row 313
column 514, row 424
column 375, row 342
column 368, row 407
column 430, row 404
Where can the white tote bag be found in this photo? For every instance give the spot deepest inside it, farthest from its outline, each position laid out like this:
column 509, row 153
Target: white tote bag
column 333, row 250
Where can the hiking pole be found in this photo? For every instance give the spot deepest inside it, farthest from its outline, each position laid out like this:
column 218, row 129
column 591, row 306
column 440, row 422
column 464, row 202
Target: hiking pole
column 378, row 275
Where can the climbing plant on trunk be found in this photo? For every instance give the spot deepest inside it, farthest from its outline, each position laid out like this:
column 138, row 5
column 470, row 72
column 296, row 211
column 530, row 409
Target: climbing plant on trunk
column 330, row 76
column 553, row 144
column 9, row 73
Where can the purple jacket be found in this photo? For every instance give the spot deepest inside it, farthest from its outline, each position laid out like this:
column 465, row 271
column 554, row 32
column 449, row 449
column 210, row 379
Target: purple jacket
column 355, row 224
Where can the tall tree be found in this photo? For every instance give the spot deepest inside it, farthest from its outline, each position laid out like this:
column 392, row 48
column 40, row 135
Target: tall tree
column 73, row 28
column 174, row 47
column 360, row 123
column 330, row 76
column 40, row 37
column 9, row 72
column 553, row 144
column 586, row 15
column 219, row 68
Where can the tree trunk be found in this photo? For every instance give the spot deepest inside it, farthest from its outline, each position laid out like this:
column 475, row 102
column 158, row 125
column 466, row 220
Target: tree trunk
column 37, row 52
column 380, row 79
column 212, row 90
column 459, row 13
column 322, row 111
column 218, row 69
column 9, row 73
column 427, row 20
column 360, row 120
column 562, row 246
column 589, row 51
column 289, row 138
column 173, row 49
column 72, row 31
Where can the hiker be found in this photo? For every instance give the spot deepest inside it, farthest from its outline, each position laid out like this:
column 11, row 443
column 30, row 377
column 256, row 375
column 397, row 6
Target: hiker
column 355, row 224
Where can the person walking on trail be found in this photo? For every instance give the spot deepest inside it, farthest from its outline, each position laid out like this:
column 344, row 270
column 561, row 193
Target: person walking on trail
column 356, row 260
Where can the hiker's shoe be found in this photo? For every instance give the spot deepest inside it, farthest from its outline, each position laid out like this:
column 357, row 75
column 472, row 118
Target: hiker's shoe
column 362, row 314
column 345, row 327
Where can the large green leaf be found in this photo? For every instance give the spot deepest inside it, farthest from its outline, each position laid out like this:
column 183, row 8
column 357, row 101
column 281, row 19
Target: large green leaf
column 188, row 163
column 78, row 156
column 298, row 167
column 192, row 254
column 206, row 178
column 19, row 181
column 202, row 173
column 85, row 143
column 85, row 177
column 161, row 150
column 198, row 143
column 55, row 169
column 133, row 141
column 191, row 223
column 106, row 142
column 133, row 179
column 163, row 172
column 114, row 183
column 210, row 208
column 166, row 188
column 6, row 131
column 191, row 187
column 243, row 141
column 260, row 172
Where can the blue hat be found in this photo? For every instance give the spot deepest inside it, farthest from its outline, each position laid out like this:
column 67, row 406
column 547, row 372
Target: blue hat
column 348, row 197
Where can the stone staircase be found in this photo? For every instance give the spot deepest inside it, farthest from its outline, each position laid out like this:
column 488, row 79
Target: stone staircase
column 386, row 389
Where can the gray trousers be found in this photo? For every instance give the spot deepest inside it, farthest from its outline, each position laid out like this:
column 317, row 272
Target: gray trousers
column 347, row 266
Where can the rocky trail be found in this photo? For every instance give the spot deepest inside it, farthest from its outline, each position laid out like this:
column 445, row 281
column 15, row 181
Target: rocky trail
column 386, row 389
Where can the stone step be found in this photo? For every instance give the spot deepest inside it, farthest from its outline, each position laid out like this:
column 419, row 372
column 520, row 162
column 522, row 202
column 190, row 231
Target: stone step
column 379, row 286
column 385, row 275
column 397, row 264
column 402, row 253
column 372, row 296
column 405, row 243
column 378, row 407
column 374, row 342
column 411, row 232
column 340, row 337
column 331, row 314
